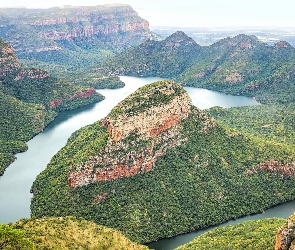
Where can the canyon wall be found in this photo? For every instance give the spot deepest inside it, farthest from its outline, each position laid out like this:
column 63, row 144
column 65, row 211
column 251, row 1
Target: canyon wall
column 39, row 30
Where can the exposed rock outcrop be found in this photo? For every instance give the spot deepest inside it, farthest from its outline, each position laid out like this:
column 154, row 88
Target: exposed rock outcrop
column 286, row 235
column 8, row 60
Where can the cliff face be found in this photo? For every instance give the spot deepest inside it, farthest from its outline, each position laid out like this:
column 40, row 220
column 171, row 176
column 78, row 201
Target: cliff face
column 19, row 26
column 8, row 59
column 154, row 124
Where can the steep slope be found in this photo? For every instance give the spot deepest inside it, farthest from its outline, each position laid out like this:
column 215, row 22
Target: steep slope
column 62, row 233
column 166, row 58
column 157, row 166
column 30, row 99
column 72, row 37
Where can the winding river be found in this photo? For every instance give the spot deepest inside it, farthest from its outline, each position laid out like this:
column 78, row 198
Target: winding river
column 15, row 184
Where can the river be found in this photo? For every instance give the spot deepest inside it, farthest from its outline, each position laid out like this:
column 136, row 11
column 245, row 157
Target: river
column 16, row 182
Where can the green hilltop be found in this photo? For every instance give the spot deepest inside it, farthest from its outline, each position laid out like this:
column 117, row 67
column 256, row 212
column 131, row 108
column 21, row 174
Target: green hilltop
column 252, row 234
column 62, row 233
column 162, row 170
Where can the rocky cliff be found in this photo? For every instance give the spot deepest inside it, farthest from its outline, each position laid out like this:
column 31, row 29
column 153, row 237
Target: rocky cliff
column 286, row 235
column 8, row 60
column 112, row 27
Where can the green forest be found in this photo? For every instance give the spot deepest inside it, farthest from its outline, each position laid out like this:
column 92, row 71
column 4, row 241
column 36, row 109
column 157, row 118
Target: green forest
column 242, row 165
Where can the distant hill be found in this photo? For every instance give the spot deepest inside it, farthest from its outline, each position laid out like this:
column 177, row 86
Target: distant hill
column 69, row 38
column 30, row 99
column 167, row 58
column 240, row 65
column 157, row 166
column 62, row 233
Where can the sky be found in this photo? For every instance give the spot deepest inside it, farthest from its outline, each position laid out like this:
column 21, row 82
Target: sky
column 192, row 13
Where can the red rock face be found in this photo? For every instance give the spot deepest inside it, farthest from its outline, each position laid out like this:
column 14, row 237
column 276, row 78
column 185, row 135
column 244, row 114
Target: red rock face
column 89, row 31
column 281, row 44
column 32, row 73
column 137, row 138
column 54, row 103
column 8, row 61
column 171, row 121
column 277, row 167
column 285, row 235
column 83, row 94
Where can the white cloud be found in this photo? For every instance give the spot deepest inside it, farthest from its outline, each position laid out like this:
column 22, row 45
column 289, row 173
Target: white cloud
column 192, row 12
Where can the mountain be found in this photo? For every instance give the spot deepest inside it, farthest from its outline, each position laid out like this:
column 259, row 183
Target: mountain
column 30, row 99
column 243, row 65
column 62, row 233
column 157, row 166
column 70, row 37
column 167, row 58
column 240, row 65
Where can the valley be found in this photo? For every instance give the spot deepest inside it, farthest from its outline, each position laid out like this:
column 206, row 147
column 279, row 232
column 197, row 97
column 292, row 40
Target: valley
column 150, row 134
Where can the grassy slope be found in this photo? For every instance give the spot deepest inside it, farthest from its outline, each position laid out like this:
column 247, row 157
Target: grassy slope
column 63, row 233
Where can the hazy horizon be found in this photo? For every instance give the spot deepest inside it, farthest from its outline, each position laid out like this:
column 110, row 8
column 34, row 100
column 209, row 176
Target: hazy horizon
column 189, row 13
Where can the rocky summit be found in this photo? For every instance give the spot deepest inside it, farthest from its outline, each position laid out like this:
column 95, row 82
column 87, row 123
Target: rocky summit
column 152, row 117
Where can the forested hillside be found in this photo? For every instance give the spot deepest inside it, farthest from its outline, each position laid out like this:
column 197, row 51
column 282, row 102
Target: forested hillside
column 30, row 99
column 167, row 58
column 258, row 234
column 240, row 65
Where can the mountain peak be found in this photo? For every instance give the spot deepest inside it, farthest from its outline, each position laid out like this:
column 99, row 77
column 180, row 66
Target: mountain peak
column 144, row 122
column 241, row 40
column 179, row 36
column 282, row 44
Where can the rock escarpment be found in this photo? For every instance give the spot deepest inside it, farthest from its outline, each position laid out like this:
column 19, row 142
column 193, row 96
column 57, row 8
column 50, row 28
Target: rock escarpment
column 116, row 23
column 8, row 60
column 140, row 129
